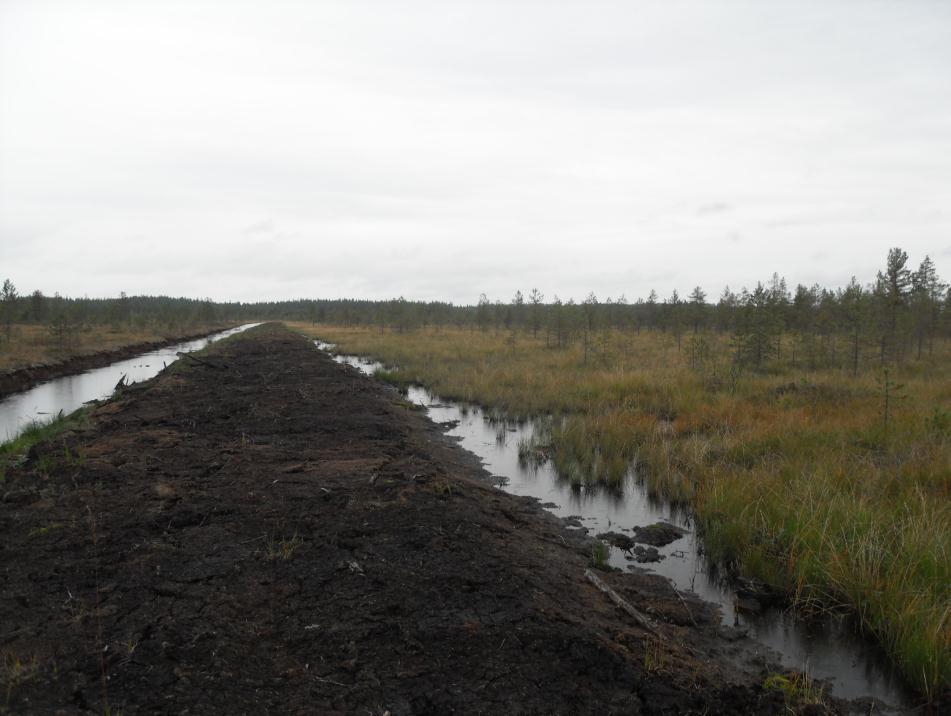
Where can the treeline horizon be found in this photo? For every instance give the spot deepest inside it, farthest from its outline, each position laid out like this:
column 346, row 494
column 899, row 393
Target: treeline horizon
column 902, row 311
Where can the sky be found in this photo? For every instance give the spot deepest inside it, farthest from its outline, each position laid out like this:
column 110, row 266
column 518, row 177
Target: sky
column 439, row 150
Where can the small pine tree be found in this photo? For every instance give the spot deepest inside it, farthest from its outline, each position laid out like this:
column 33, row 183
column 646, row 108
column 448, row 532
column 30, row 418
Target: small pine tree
column 892, row 290
column 698, row 308
column 753, row 339
column 535, row 299
column 926, row 293
column 38, row 306
column 482, row 312
column 853, row 309
column 8, row 296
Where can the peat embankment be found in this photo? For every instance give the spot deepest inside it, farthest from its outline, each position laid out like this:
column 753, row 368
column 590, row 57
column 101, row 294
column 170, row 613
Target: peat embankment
column 271, row 531
column 13, row 381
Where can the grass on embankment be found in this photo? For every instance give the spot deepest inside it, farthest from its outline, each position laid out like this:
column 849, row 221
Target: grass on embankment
column 794, row 476
column 14, row 452
column 30, row 344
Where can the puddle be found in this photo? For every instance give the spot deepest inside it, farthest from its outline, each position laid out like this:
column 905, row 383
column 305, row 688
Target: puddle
column 828, row 649
column 42, row 402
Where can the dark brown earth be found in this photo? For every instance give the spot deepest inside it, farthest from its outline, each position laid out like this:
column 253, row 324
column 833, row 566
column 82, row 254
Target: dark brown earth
column 276, row 533
column 13, row 381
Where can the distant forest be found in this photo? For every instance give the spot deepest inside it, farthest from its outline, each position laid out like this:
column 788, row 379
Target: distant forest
column 899, row 314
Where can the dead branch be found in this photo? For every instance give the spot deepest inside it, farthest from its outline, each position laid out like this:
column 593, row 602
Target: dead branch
column 180, row 354
column 642, row 619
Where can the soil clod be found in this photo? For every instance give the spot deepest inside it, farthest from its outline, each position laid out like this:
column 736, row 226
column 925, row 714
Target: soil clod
column 658, row 534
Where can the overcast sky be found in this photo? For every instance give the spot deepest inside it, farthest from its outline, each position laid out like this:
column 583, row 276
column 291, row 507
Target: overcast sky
column 269, row 150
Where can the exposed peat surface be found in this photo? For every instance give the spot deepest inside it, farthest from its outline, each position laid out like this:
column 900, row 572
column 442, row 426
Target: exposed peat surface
column 67, row 393
column 829, row 648
column 267, row 530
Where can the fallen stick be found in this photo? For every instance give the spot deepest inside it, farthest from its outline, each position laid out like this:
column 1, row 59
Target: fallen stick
column 641, row 619
column 180, row 354
column 684, row 602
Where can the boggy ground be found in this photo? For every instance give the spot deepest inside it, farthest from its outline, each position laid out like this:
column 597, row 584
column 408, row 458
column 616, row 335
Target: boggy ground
column 273, row 532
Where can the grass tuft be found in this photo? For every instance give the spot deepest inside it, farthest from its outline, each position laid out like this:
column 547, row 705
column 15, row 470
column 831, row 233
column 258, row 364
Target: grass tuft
column 14, row 452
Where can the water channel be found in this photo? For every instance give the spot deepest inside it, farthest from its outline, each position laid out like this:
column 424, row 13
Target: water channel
column 829, row 649
column 43, row 402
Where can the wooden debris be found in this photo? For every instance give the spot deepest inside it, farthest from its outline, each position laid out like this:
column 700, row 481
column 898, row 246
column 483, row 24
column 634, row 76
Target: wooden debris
column 180, row 354
column 642, row 619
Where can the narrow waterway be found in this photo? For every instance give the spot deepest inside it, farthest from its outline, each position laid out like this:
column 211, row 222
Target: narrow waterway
column 829, row 649
column 43, row 402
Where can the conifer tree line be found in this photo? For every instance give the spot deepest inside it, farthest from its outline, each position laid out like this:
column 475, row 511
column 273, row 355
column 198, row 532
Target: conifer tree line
column 898, row 315
column 65, row 317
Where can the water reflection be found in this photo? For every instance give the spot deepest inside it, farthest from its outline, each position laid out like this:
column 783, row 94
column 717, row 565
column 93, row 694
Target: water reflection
column 70, row 392
column 829, row 649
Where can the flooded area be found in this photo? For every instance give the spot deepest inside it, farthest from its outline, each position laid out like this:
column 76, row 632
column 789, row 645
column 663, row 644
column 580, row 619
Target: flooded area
column 829, row 649
column 43, row 402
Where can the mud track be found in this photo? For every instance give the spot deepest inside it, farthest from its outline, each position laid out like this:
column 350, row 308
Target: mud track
column 273, row 532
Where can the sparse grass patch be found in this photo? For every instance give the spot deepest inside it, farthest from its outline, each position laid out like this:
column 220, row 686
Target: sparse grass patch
column 443, row 488
column 599, row 555
column 655, row 655
column 15, row 670
column 45, row 530
column 283, row 548
column 15, row 451
column 798, row 689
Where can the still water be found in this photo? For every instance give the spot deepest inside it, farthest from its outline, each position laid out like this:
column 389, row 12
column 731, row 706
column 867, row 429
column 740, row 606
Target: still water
column 70, row 392
column 828, row 649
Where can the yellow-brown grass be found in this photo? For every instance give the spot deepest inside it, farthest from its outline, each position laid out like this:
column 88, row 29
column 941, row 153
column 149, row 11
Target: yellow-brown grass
column 30, row 344
column 793, row 475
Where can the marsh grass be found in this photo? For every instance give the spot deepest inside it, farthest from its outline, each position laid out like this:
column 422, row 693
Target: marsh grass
column 282, row 548
column 16, row 670
column 15, row 451
column 656, row 657
column 600, row 553
column 794, row 475
column 798, row 689
column 32, row 343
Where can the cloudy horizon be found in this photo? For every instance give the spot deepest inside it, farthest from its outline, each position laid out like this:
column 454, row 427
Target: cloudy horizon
column 250, row 151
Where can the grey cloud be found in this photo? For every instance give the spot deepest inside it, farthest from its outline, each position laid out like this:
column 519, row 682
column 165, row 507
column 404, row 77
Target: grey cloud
column 441, row 150
column 718, row 207
column 266, row 226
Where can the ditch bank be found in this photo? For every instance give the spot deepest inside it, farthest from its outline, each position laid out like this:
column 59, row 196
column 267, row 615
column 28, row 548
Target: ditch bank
column 18, row 379
column 265, row 529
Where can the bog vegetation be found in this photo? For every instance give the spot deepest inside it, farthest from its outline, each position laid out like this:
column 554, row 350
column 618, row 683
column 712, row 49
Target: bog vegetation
column 39, row 329
column 809, row 430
